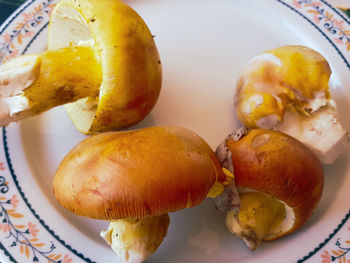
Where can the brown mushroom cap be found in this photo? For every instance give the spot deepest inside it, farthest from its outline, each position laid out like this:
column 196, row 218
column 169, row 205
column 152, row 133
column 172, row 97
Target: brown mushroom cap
column 274, row 163
column 134, row 174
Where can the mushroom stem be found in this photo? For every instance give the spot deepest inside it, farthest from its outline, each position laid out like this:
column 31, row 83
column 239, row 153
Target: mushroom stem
column 259, row 214
column 35, row 83
column 322, row 131
column 134, row 240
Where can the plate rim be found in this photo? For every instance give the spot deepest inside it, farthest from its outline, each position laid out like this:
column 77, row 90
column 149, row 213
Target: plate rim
column 28, row 3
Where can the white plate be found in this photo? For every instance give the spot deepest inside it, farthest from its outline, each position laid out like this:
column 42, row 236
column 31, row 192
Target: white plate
column 203, row 46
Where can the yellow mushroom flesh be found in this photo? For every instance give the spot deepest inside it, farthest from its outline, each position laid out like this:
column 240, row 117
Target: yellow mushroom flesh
column 35, row 83
column 260, row 217
column 278, row 78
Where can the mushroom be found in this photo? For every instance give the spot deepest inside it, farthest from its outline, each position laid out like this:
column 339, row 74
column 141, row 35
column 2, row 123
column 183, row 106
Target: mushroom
column 287, row 89
column 102, row 63
column 279, row 181
column 134, row 179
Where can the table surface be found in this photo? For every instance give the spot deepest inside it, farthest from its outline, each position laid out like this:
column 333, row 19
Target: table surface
column 7, row 7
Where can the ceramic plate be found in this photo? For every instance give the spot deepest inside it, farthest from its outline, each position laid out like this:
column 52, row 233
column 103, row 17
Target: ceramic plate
column 203, row 46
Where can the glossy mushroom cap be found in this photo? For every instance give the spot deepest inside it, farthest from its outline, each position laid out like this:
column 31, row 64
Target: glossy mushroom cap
column 130, row 63
column 134, row 174
column 278, row 165
column 287, row 76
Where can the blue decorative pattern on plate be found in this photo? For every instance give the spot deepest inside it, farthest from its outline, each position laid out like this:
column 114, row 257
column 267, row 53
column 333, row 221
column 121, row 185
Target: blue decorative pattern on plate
column 33, row 228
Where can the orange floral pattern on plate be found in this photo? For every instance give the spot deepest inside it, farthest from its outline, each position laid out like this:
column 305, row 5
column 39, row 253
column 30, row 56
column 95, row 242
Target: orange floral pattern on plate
column 339, row 253
column 24, row 29
column 24, row 235
column 13, row 225
column 320, row 15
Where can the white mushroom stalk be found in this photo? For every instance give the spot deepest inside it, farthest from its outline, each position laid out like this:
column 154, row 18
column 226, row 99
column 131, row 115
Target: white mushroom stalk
column 134, row 240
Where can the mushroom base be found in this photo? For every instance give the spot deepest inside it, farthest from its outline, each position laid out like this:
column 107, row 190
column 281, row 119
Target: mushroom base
column 134, row 240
